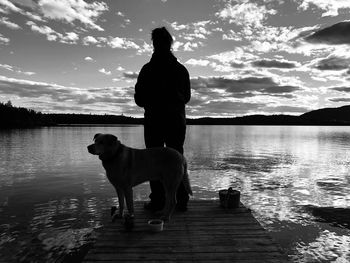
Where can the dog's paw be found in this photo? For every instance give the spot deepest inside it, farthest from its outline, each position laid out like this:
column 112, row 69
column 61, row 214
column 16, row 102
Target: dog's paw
column 116, row 216
column 129, row 221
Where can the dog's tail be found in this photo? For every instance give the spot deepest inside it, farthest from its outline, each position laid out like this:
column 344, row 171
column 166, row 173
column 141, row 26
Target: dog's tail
column 186, row 179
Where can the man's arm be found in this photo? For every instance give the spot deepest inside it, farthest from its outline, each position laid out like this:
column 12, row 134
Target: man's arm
column 139, row 95
column 186, row 87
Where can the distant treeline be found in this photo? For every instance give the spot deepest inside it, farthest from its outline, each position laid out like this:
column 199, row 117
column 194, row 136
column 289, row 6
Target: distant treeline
column 16, row 117
column 86, row 119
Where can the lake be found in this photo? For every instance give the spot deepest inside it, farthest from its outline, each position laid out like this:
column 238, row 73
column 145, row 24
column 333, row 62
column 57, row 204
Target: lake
column 296, row 180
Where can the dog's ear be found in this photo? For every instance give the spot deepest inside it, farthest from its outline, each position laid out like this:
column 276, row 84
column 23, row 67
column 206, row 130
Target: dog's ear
column 114, row 140
column 96, row 135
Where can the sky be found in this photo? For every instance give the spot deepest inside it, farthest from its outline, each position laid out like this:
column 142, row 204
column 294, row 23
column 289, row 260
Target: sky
column 244, row 56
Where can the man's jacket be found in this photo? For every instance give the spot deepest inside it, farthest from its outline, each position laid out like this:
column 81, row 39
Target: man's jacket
column 163, row 86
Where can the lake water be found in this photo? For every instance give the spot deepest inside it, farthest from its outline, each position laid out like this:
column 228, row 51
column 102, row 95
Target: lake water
column 54, row 195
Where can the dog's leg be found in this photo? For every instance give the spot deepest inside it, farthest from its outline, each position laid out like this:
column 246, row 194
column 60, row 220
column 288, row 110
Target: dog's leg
column 120, row 194
column 170, row 202
column 129, row 200
column 170, row 188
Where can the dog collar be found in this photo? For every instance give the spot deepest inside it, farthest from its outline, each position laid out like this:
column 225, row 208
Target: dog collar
column 115, row 155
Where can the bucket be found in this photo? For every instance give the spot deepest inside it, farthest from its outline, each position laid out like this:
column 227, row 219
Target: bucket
column 229, row 198
column 155, row 225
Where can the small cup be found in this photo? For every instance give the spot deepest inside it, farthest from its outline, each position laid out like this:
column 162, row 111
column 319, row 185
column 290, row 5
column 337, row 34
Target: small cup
column 156, row 225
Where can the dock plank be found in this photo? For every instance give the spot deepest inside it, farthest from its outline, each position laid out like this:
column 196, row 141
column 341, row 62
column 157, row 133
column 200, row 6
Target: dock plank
column 205, row 233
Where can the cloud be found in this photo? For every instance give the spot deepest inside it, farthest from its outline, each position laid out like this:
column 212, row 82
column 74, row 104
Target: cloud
column 16, row 69
column 340, row 100
column 73, row 10
column 88, row 59
column 245, row 13
column 31, row 89
column 53, row 97
column 232, row 35
column 52, row 35
column 244, row 87
column 4, row 40
column 333, row 63
column 70, row 38
column 279, row 89
column 190, row 46
column 237, row 55
column 341, row 89
column 330, row 8
column 122, row 43
column 130, row 75
column 286, row 109
column 190, row 32
column 237, row 65
column 34, row 16
column 221, row 96
column 104, row 71
column 9, row 24
column 336, row 34
column 120, row 14
column 197, row 62
column 5, row 66
column 229, row 108
column 25, row 3
column 89, row 40
column 8, row 6
column 266, row 63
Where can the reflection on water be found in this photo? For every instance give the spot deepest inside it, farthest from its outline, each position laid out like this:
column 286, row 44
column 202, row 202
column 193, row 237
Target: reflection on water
column 54, row 195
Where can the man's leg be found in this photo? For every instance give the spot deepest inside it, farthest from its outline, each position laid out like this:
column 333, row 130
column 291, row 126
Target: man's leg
column 153, row 134
column 175, row 138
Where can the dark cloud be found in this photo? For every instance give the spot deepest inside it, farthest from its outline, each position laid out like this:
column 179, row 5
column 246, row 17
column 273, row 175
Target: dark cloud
column 286, row 109
column 106, row 98
column 279, row 89
column 30, row 89
column 341, row 89
column 242, row 88
column 130, row 75
column 196, row 101
column 237, row 65
column 228, row 108
column 340, row 99
column 273, row 64
column 63, row 108
column 334, row 35
column 333, row 63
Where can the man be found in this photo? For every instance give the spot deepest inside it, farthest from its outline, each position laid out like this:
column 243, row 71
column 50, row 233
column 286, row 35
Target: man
column 162, row 89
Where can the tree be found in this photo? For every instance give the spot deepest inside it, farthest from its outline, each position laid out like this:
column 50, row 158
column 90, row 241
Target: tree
column 9, row 104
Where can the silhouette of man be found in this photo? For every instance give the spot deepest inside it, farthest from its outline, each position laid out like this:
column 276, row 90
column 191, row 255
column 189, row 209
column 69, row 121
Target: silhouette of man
column 162, row 89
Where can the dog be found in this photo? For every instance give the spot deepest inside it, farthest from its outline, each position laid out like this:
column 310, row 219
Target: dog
column 127, row 167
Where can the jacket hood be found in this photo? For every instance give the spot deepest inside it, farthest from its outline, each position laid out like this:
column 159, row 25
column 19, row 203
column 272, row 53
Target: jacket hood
column 160, row 58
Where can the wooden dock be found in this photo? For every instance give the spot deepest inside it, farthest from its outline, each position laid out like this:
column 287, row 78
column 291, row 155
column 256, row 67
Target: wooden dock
column 205, row 233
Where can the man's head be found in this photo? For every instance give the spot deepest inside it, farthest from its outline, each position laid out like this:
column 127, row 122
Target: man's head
column 162, row 40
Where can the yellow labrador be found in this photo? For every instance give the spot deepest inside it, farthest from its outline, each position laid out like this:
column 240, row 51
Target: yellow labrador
column 127, row 167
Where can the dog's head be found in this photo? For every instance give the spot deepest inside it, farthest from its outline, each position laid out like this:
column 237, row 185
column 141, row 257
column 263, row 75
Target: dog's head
column 105, row 145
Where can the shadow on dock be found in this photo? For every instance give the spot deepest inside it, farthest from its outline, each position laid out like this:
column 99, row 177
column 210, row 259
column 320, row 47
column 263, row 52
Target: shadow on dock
column 205, row 233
